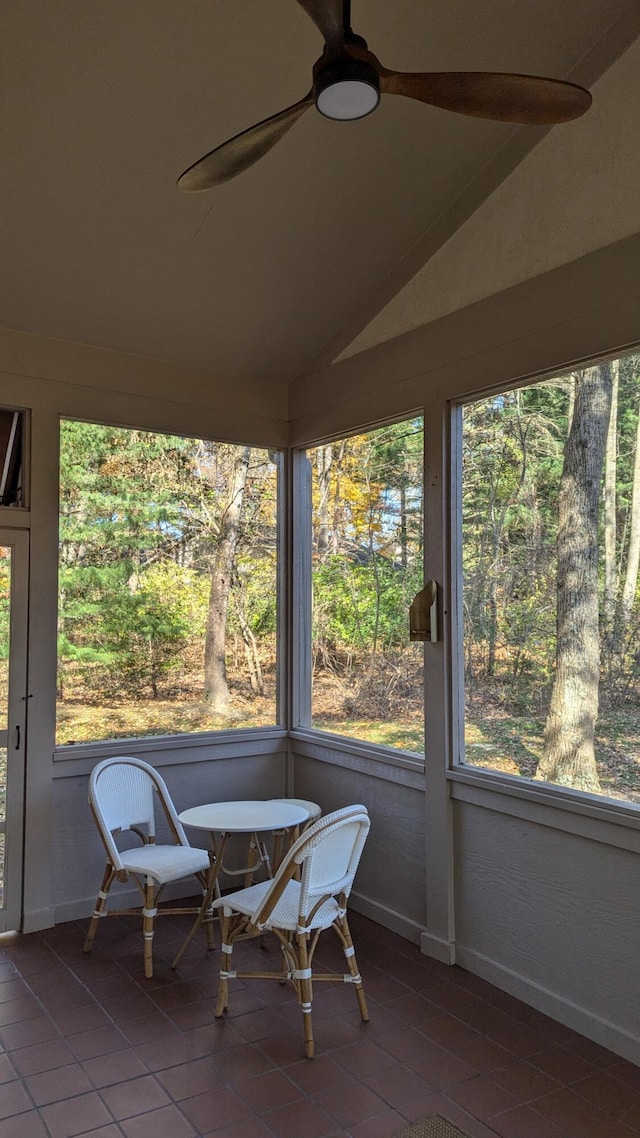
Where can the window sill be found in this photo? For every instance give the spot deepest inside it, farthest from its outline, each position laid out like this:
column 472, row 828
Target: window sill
column 556, row 806
column 310, row 736
column 216, row 744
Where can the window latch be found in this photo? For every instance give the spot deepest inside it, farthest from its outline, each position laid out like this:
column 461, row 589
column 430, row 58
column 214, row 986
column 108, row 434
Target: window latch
column 423, row 614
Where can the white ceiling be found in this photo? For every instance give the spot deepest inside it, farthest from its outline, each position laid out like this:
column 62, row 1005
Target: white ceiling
column 109, row 100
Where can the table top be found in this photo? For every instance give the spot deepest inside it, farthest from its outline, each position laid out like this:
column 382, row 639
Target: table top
column 244, row 817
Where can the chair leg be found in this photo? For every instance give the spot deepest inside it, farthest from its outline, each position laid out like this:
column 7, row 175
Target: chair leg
column 101, row 901
column 211, row 936
column 352, row 965
column 208, row 916
column 306, row 993
column 204, row 917
column 226, row 950
column 148, row 926
column 277, row 849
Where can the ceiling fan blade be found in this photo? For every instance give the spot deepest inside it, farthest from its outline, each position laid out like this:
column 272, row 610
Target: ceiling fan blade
column 491, row 95
column 241, row 151
column 329, row 17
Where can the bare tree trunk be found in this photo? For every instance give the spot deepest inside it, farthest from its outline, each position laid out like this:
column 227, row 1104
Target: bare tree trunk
column 339, row 449
column 569, row 755
column 403, row 526
column 324, row 455
column 633, row 550
column 492, row 607
column 376, row 577
column 572, row 379
column 610, row 536
column 216, row 688
column 250, row 644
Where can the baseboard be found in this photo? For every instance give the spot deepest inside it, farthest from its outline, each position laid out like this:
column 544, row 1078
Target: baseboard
column 38, row 919
column 601, row 1031
column 124, row 897
column 388, row 918
column 439, row 949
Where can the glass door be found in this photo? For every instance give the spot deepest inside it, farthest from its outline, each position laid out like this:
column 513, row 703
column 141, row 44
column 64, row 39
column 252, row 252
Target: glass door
column 14, row 551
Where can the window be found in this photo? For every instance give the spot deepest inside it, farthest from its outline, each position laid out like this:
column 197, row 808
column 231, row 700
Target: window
column 167, row 584
column 11, row 434
column 367, row 566
column 551, row 607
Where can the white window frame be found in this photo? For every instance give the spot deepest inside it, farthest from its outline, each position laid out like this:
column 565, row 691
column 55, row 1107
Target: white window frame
column 520, row 795
column 228, row 741
column 301, row 729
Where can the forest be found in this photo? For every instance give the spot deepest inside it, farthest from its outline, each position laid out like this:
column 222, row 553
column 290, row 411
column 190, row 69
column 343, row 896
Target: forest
column 551, row 546
column 168, row 599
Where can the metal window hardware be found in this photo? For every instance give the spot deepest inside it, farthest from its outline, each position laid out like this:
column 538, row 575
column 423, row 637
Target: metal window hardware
column 423, row 614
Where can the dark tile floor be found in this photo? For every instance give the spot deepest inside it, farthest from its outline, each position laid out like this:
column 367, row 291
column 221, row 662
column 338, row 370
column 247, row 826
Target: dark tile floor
column 89, row 1047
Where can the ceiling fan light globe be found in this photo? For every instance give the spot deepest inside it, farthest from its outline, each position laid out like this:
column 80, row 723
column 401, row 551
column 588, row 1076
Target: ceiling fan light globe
column 347, row 89
column 348, row 99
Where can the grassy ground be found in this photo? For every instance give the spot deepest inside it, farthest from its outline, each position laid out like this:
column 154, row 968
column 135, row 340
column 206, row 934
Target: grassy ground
column 496, row 739
column 513, row 744
column 406, row 734
column 84, row 723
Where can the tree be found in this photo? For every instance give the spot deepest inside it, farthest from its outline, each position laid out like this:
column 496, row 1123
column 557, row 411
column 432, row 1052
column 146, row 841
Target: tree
column 216, row 687
column 119, row 517
column 610, row 518
column 512, row 459
column 633, row 549
column 367, row 497
column 569, row 756
column 367, row 493
column 324, row 462
column 151, row 527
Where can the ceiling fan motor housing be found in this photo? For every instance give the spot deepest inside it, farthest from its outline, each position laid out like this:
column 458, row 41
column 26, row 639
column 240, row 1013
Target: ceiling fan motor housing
column 346, row 88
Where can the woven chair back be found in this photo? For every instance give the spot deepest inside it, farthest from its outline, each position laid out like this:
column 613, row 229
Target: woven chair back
column 328, row 854
column 331, row 859
column 123, row 793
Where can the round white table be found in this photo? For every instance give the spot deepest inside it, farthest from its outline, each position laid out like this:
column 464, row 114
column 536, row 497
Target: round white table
column 221, row 820
column 244, row 817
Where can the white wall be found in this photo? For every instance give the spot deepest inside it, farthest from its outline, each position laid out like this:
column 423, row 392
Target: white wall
column 53, row 378
column 536, row 892
column 548, row 910
column 390, row 887
column 194, row 774
column 75, row 379
column 574, row 193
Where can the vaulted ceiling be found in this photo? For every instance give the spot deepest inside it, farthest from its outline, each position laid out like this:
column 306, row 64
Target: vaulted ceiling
column 279, row 269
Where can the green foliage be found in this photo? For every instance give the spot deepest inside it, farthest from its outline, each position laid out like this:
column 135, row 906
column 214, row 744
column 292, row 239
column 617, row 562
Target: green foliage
column 355, row 604
column 256, row 575
column 512, row 461
column 144, row 634
column 367, row 540
column 513, row 447
column 139, row 521
column 5, row 604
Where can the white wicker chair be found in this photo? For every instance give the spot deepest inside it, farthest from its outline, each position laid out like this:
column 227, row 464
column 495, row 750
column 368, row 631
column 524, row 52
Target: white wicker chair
column 326, row 858
column 282, row 839
column 123, row 793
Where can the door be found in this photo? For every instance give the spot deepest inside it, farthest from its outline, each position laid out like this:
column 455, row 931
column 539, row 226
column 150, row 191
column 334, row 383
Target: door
column 14, row 553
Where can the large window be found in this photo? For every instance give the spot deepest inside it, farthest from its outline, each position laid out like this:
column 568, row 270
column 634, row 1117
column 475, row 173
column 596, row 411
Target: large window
column 551, row 606
column 167, row 584
column 367, row 566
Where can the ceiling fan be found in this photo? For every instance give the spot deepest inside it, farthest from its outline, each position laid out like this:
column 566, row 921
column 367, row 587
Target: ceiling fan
column 348, row 81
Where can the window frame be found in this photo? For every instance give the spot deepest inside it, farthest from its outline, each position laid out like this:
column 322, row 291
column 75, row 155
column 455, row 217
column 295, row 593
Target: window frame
column 473, row 784
column 227, row 741
column 301, row 729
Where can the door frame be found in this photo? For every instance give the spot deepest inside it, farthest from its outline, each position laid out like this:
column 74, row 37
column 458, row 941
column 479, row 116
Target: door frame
column 17, row 710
